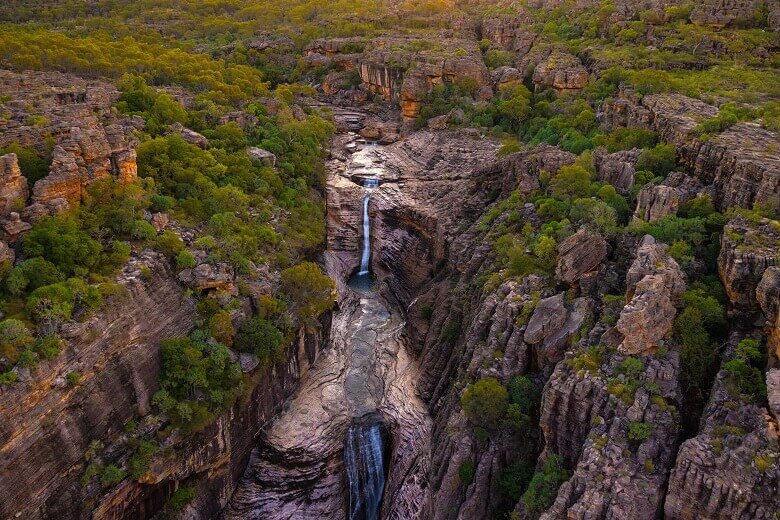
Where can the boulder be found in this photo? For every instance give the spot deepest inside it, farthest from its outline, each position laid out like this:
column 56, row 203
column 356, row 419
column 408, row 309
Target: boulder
column 503, row 76
column 190, row 136
column 14, row 226
column 548, row 317
column 262, row 156
column 562, row 71
column 773, row 391
column 206, row 276
column 579, row 254
column 159, row 221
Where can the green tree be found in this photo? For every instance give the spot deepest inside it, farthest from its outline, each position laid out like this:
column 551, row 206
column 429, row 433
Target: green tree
column 485, row 402
column 60, row 241
column 310, row 291
column 544, row 485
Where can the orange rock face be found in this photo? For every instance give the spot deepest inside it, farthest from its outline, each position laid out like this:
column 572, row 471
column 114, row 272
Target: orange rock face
column 86, row 154
column 13, row 186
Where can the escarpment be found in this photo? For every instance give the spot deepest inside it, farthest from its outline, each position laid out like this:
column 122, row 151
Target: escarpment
column 54, row 422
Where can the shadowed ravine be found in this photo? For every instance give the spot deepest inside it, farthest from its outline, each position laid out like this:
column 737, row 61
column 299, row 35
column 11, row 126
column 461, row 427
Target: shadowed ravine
column 356, row 430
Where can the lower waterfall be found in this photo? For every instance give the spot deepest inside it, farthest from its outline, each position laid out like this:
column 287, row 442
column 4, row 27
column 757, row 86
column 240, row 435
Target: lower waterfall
column 364, row 454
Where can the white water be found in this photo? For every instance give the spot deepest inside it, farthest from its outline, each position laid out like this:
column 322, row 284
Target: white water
column 369, row 184
column 363, row 457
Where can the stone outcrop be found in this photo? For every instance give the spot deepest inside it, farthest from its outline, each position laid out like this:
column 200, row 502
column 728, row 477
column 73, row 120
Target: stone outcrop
column 747, row 250
column 393, row 69
column 562, row 71
column 264, row 157
column 768, row 296
column 616, row 168
column 654, row 202
column 552, row 326
column 581, row 253
column 190, row 136
column 654, row 283
column 87, row 153
column 739, row 163
column 729, row 469
column 720, row 13
column 511, row 34
column 13, row 186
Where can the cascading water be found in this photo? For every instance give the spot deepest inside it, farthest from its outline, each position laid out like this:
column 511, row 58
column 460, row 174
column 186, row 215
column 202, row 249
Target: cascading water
column 363, row 280
column 364, row 459
column 369, row 184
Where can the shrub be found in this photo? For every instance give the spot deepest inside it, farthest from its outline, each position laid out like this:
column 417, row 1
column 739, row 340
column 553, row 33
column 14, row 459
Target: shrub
column 33, row 165
column 112, row 475
column 142, row 230
column 524, row 393
column 544, row 485
column 639, row 431
column 60, row 241
column 466, row 472
column 185, row 260
column 31, row 274
column 14, row 338
column 311, row 291
column 181, row 497
column 260, row 337
column 660, row 160
column 169, row 243
column 73, row 378
column 627, row 138
column 142, row 458
column 221, row 327
column 485, row 402
column 197, row 378
column 632, row 367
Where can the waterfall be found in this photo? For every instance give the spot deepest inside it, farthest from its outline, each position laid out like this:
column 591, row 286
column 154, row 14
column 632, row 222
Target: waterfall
column 363, row 457
column 369, row 184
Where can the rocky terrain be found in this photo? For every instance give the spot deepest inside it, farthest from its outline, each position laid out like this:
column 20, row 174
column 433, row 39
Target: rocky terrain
column 570, row 307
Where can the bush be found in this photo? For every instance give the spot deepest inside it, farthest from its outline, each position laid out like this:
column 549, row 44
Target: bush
column 660, row 160
column 221, row 327
column 181, row 497
column 185, row 260
column 466, row 472
column 31, row 274
column 60, row 241
column 197, row 378
column 14, row 338
column 485, row 402
column 142, row 458
column 310, row 291
column 626, row 139
column 34, row 166
column 169, row 243
column 112, row 475
column 639, row 431
column 260, row 337
column 544, row 485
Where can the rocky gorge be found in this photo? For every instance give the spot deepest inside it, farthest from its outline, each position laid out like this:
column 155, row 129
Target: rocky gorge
column 452, row 266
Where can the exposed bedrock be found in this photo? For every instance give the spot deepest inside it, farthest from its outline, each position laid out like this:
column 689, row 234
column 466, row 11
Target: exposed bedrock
column 589, row 408
column 729, row 470
column 54, row 423
column 739, row 163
